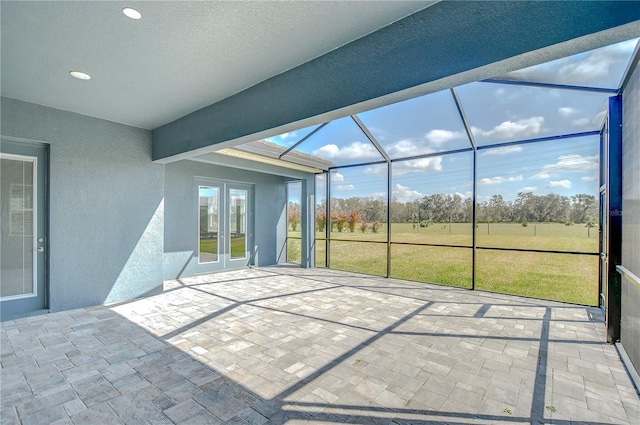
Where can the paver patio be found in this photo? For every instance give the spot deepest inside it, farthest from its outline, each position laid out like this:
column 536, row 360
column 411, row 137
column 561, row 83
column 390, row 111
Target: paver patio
column 288, row 345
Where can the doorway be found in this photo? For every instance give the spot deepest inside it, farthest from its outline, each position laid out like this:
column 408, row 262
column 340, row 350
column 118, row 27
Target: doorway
column 23, row 227
column 225, row 219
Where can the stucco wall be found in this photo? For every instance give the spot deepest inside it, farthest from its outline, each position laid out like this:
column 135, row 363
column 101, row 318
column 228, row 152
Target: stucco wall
column 181, row 255
column 630, row 314
column 106, row 205
column 631, row 174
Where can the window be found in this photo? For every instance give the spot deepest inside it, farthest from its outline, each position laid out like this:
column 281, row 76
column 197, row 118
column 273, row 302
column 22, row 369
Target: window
column 209, row 224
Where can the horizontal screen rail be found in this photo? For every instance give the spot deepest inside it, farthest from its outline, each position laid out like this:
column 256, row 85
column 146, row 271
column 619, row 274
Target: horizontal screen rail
column 542, row 251
column 353, row 240
column 432, row 244
column 494, row 248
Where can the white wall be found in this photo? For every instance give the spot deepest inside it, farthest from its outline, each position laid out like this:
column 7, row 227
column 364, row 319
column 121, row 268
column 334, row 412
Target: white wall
column 106, row 205
column 181, row 227
column 630, row 297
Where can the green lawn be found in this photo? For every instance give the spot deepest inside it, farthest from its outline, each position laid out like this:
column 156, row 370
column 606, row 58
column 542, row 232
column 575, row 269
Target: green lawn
column 210, row 246
column 544, row 236
column 238, row 247
column 293, row 251
column 448, row 266
column 562, row 277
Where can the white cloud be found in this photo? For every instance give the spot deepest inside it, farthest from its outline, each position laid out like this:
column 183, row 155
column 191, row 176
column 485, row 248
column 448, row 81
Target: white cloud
column 575, row 162
column 337, row 177
column 465, row 195
column 405, row 194
column 379, row 133
column 408, row 147
column 599, row 118
column 499, row 179
column 438, row 136
column 289, row 134
column 356, row 150
column 433, row 163
column 401, row 148
column 378, row 195
column 327, row 151
column 588, row 178
column 581, row 122
column 504, row 150
column 567, row 111
column 529, row 189
column 522, row 128
column 376, row 170
column 345, row 187
column 541, row 176
column 580, row 69
column 568, row 163
column 564, row 184
column 596, row 64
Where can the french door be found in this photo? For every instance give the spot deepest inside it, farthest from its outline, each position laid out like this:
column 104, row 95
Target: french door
column 225, row 218
column 23, row 227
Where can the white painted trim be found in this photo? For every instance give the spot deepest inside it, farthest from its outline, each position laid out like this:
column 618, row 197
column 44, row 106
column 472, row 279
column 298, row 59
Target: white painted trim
column 23, row 140
column 212, row 180
column 246, row 222
column 219, row 188
column 633, row 373
column 34, row 223
column 223, row 214
column 628, row 275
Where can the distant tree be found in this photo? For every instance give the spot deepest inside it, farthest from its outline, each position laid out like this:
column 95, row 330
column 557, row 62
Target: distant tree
column 453, row 208
column 583, row 208
column 467, row 210
column 498, row 209
column 353, row 217
column 399, row 213
column 364, row 226
column 321, row 220
column 338, row 219
column 374, row 209
column 551, row 207
column 523, row 207
column 294, row 215
column 375, row 226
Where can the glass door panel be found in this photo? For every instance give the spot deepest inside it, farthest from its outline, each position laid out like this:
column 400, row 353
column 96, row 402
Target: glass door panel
column 209, row 206
column 238, row 223
column 17, row 247
column 22, row 227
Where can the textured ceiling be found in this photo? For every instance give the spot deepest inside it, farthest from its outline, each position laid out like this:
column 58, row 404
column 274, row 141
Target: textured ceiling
column 180, row 57
column 446, row 45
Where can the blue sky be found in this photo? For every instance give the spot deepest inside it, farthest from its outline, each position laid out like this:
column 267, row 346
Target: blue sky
column 496, row 113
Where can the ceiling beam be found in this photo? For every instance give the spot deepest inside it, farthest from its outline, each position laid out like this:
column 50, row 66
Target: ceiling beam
column 447, row 44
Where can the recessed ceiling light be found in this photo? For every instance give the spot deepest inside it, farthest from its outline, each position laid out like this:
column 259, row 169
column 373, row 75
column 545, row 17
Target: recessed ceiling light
column 131, row 13
column 80, row 75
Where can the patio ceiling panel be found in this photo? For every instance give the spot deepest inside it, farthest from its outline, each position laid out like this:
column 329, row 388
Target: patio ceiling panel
column 603, row 67
column 423, row 125
column 499, row 113
column 430, row 50
column 341, row 142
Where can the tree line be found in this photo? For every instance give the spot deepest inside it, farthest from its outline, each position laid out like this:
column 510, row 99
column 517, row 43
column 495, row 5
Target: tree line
column 527, row 207
column 351, row 213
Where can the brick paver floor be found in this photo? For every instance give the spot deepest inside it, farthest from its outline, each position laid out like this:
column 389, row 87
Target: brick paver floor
column 287, row 345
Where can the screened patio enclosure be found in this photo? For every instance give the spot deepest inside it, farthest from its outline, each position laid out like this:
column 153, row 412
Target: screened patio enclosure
column 494, row 185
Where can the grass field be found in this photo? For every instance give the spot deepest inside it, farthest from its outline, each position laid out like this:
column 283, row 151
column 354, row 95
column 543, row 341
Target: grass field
column 210, row 246
column 549, row 236
column 562, row 277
